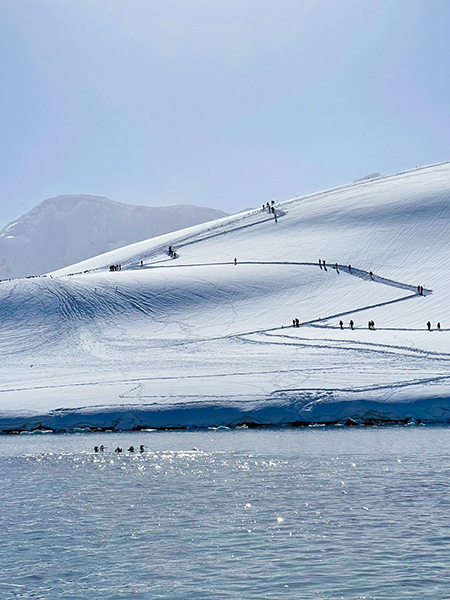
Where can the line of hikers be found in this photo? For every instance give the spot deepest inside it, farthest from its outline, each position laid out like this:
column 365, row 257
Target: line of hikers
column 323, row 265
column 371, row 325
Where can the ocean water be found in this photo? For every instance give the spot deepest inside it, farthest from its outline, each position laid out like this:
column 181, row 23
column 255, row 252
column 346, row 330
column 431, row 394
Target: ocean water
column 317, row 513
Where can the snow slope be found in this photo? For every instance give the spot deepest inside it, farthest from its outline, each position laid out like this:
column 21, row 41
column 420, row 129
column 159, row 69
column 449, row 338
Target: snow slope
column 198, row 341
column 66, row 229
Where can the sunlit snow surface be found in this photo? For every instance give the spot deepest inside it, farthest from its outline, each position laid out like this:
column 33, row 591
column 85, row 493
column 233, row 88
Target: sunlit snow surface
column 199, row 341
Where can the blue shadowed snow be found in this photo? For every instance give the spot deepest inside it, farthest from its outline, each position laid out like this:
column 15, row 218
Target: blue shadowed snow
column 197, row 340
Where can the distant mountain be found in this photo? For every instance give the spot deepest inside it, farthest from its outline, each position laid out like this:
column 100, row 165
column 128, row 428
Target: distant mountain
column 67, row 229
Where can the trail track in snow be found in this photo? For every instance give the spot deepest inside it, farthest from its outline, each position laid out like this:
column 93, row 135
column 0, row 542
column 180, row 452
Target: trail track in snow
column 169, row 335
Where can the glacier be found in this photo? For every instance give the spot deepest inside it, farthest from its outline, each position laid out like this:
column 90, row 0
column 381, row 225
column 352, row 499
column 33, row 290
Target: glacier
column 199, row 341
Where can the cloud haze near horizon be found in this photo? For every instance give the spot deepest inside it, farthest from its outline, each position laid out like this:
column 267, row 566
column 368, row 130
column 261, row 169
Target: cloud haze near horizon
column 217, row 103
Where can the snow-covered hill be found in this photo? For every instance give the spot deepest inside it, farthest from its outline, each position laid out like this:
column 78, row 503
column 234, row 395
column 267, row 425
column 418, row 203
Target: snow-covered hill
column 63, row 230
column 198, row 340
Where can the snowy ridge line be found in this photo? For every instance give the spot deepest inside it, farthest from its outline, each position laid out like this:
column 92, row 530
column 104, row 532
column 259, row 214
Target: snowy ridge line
column 218, row 227
column 231, row 226
column 233, row 229
column 348, row 186
column 230, row 223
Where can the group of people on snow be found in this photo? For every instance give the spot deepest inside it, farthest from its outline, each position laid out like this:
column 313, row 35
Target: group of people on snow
column 271, row 209
column 171, row 252
column 295, row 323
column 115, row 268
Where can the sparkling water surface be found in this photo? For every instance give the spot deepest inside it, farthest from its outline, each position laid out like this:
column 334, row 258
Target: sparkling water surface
column 323, row 513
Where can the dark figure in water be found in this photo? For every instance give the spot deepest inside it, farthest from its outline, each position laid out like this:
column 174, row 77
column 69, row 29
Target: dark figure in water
column 131, row 449
column 352, row 325
column 118, row 450
column 235, row 261
column 341, row 324
column 141, row 448
column 429, row 326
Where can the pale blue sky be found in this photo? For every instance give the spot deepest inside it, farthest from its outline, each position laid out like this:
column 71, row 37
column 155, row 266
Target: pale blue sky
column 219, row 103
